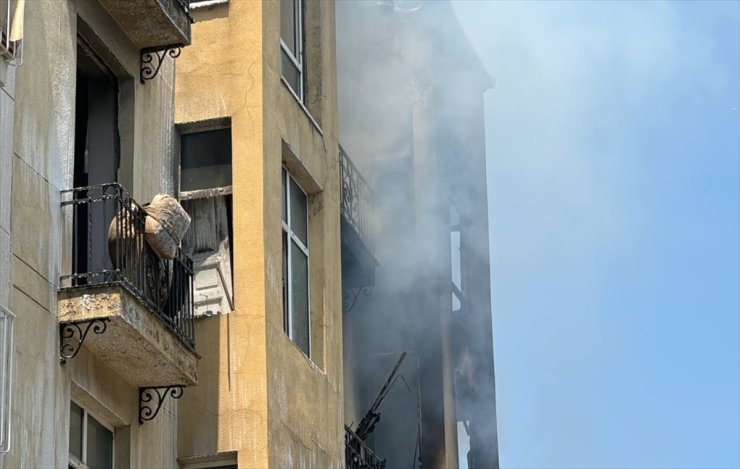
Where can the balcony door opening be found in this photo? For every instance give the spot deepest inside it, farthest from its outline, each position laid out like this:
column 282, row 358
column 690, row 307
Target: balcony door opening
column 96, row 159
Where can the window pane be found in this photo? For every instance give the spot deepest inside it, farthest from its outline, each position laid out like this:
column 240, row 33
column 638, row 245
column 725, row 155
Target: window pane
column 455, row 302
column 285, row 282
column 205, row 160
column 299, row 297
column 291, row 73
column 75, row 430
column 287, row 23
column 99, row 445
column 283, row 199
column 298, row 213
column 455, row 259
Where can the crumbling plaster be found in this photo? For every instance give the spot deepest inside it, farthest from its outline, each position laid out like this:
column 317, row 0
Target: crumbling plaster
column 136, row 344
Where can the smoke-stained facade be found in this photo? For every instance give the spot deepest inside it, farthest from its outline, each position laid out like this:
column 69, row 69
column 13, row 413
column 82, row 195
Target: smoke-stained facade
column 411, row 120
column 328, row 235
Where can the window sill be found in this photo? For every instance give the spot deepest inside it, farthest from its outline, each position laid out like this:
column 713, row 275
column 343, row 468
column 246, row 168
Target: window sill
column 205, row 193
column 302, row 106
column 309, row 361
column 206, row 3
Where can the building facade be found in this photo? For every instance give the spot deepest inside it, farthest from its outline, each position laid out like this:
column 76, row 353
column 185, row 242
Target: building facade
column 263, row 75
column 86, row 131
column 331, row 159
column 411, row 119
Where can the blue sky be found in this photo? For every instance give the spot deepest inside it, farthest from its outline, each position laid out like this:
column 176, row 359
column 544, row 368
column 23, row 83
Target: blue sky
column 613, row 138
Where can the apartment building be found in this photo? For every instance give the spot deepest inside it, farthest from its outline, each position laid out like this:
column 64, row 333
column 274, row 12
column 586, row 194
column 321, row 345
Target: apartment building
column 286, row 378
column 256, row 114
column 311, row 263
column 101, row 339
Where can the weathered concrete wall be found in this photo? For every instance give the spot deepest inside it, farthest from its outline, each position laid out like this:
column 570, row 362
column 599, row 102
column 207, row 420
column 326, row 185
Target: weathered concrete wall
column 35, row 234
column 42, row 145
column 272, row 404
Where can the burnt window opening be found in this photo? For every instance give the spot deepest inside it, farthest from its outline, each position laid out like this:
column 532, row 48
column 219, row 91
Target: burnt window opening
column 205, row 192
column 205, row 161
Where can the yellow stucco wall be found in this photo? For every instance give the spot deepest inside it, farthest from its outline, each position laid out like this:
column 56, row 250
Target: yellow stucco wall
column 258, row 393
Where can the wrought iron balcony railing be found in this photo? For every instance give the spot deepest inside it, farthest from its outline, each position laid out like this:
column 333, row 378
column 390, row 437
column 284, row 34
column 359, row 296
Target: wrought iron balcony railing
column 110, row 249
column 358, row 455
column 358, row 200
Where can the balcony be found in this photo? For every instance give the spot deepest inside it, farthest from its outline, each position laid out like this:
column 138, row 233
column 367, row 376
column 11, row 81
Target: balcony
column 357, row 205
column 358, row 455
column 128, row 307
column 152, row 24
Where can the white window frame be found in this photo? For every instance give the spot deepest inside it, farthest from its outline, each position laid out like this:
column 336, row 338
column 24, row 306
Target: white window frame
column 292, row 237
column 210, row 262
column 195, row 4
column 456, row 268
column 6, row 376
column 74, row 462
column 297, row 61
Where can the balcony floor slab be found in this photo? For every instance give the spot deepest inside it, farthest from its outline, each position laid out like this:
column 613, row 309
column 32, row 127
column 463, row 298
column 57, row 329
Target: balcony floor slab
column 136, row 343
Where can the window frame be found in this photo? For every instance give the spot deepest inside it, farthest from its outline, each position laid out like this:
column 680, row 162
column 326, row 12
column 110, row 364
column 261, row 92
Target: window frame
column 75, row 462
column 456, row 259
column 6, row 376
column 300, row 40
column 214, row 192
column 287, row 228
column 187, row 133
column 195, row 4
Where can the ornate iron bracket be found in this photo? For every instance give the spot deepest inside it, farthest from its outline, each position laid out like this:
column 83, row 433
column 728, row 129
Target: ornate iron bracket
column 149, row 409
column 151, row 61
column 73, row 334
column 350, row 296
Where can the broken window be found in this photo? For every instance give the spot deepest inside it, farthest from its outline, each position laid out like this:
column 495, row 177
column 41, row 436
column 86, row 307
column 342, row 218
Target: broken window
column 205, row 192
column 205, row 161
column 296, row 311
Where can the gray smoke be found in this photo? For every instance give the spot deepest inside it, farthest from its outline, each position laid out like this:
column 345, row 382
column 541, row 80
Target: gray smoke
column 410, row 118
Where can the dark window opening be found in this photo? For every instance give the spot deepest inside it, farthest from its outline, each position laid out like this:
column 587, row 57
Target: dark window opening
column 96, row 157
column 205, row 160
column 205, row 189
